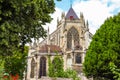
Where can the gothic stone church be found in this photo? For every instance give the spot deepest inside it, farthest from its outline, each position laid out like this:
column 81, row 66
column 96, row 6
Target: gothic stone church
column 71, row 40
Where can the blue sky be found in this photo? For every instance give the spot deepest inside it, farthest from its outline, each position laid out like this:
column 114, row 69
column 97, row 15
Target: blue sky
column 95, row 11
column 64, row 4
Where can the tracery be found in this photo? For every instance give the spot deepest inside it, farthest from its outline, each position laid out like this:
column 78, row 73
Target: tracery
column 72, row 32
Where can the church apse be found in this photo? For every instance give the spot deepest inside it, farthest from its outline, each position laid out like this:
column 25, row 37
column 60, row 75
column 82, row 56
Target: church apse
column 71, row 39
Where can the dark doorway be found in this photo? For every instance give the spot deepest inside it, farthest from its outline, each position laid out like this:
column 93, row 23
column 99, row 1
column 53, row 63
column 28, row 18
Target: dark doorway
column 42, row 71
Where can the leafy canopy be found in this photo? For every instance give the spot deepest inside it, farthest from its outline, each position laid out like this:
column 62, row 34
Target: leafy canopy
column 21, row 20
column 104, row 48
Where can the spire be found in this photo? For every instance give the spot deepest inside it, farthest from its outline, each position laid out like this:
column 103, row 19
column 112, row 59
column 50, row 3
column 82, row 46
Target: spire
column 57, row 20
column 87, row 25
column 71, row 14
column 82, row 18
column 70, row 3
column 48, row 37
column 63, row 15
column 81, row 15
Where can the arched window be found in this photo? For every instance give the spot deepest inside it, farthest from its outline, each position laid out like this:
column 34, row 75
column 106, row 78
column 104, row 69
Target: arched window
column 32, row 68
column 78, row 59
column 72, row 32
column 42, row 71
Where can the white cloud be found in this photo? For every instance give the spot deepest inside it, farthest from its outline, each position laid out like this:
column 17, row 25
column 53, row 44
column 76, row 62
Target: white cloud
column 112, row 4
column 94, row 11
column 53, row 24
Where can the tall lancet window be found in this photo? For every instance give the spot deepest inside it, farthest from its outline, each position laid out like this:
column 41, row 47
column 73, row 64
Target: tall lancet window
column 78, row 59
column 32, row 68
column 42, row 71
column 72, row 32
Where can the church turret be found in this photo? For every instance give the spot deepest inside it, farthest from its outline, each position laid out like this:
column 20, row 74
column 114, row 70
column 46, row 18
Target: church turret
column 82, row 18
column 87, row 25
column 57, row 22
column 81, row 15
column 63, row 15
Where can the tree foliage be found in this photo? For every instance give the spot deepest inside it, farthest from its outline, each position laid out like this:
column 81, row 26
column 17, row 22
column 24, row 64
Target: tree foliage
column 21, row 20
column 115, row 70
column 1, row 68
column 69, row 73
column 104, row 48
column 56, row 69
column 16, row 64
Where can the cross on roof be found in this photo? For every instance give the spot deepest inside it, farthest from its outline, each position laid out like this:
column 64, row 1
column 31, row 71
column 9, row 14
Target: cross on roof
column 70, row 3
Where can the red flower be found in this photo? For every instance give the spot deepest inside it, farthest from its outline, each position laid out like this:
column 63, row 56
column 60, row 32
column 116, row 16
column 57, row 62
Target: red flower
column 15, row 77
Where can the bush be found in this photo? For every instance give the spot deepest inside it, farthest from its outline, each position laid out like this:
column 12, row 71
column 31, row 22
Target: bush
column 56, row 69
column 69, row 73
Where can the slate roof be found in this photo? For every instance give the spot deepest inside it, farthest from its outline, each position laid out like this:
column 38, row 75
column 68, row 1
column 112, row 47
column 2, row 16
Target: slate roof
column 51, row 48
column 72, row 13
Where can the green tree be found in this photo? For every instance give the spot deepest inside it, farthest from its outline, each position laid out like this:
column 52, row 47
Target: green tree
column 21, row 20
column 56, row 69
column 16, row 64
column 104, row 48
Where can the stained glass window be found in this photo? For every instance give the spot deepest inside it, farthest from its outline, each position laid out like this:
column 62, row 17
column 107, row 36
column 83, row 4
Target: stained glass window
column 32, row 68
column 42, row 71
column 78, row 59
column 72, row 32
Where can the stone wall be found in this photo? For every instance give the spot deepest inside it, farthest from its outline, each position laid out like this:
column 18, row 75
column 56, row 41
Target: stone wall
column 48, row 78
